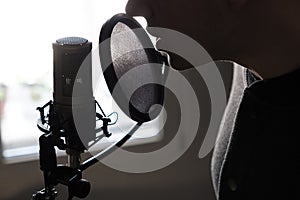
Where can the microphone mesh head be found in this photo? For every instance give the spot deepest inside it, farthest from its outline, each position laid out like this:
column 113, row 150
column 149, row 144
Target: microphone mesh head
column 71, row 41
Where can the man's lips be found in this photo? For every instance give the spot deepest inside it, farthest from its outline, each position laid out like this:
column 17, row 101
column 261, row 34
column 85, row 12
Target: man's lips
column 157, row 39
column 154, row 34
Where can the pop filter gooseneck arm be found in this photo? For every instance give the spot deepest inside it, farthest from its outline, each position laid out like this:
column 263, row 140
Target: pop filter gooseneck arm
column 91, row 161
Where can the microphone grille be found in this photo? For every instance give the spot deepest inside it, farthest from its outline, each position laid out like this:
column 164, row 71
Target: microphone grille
column 72, row 41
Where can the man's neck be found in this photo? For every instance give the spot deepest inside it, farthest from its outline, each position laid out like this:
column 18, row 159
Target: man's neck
column 271, row 65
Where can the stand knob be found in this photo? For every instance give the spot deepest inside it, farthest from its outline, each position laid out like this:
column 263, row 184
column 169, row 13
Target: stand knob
column 79, row 188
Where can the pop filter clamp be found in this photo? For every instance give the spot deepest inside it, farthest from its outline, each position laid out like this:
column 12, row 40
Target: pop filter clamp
column 58, row 124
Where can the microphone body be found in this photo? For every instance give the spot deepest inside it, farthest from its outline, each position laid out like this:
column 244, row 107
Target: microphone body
column 73, row 100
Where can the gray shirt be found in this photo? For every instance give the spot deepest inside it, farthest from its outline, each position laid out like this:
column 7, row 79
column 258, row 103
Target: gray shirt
column 257, row 153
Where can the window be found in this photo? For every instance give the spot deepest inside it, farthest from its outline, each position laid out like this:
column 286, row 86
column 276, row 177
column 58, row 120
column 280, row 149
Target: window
column 28, row 29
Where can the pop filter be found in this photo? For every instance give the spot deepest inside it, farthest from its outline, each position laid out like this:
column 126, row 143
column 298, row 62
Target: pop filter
column 127, row 54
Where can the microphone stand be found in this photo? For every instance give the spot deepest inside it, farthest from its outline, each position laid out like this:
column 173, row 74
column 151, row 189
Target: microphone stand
column 71, row 175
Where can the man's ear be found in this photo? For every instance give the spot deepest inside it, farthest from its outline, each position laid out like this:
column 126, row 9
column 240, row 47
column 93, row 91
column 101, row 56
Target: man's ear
column 236, row 4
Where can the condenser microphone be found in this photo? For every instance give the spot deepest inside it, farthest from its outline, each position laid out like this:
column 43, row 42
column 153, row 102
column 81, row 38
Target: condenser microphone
column 73, row 94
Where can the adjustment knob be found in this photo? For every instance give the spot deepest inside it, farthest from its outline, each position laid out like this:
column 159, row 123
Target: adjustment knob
column 80, row 188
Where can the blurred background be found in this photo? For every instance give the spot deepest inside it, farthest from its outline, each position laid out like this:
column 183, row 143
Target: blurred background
column 28, row 29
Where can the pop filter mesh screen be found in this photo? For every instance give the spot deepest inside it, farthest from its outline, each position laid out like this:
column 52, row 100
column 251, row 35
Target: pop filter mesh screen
column 132, row 64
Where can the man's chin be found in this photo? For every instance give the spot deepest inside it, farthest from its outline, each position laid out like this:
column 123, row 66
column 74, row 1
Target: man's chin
column 179, row 63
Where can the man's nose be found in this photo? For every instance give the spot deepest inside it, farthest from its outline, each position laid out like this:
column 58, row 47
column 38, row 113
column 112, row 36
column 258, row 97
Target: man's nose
column 139, row 8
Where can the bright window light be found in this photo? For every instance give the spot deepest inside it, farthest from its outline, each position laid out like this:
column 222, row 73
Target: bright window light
column 28, row 29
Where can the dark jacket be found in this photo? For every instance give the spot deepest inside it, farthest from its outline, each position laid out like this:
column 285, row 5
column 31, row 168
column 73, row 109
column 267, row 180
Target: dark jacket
column 257, row 155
